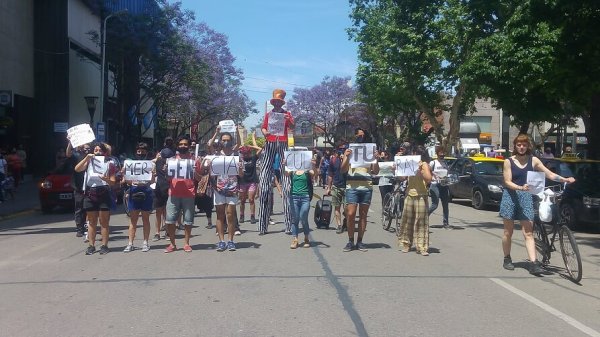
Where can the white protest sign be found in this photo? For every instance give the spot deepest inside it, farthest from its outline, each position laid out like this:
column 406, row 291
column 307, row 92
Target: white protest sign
column 363, row 154
column 224, row 166
column 180, row 168
column 386, row 169
column 297, row 160
column 138, row 170
column 536, row 181
column 227, row 126
column 80, row 134
column 276, row 124
column 440, row 172
column 97, row 166
column 406, row 166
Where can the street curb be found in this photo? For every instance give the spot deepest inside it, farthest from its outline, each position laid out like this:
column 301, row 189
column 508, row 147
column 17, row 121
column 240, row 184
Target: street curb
column 18, row 214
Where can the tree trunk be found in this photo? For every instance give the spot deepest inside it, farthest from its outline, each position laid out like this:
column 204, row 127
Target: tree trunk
column 592, row 125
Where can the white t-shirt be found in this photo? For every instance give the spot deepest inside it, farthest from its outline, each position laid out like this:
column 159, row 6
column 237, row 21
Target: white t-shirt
column 439, row 169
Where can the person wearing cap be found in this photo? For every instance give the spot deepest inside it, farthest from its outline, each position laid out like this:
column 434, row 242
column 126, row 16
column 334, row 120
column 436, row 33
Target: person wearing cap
column 275, row 129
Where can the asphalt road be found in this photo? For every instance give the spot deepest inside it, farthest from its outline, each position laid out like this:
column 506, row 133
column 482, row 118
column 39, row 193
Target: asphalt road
column 50, row 288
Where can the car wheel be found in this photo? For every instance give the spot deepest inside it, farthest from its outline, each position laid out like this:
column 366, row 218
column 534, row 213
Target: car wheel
column 477, row 200
column 46, row 208
column 567, row 216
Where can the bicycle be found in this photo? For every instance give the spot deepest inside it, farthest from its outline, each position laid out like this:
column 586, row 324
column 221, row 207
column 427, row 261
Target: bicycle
column 393, row 204
column 545, row 235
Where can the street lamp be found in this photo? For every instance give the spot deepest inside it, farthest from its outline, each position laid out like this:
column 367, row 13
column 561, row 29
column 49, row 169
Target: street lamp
column 91, row 101
column 103, row 56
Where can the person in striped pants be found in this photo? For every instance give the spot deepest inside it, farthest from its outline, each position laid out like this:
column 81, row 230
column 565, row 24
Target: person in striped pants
column 275, row 128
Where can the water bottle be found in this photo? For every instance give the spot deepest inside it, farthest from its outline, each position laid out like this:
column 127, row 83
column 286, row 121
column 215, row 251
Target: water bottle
column 290, row 135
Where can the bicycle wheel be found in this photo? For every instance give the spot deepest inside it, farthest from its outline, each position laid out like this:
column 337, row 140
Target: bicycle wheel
column 541, row 242
column 570, row 253
column 387, row 211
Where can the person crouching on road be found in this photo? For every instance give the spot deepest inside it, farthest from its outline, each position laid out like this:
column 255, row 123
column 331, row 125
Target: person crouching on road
column 300, row 196
column 97, row 197
column 415, row 218
column 182, row 192
column 140, row 202
column 226, row 196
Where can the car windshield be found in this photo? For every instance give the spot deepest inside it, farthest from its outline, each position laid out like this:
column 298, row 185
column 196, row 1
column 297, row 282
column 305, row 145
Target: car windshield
column 587, row 176
column 489, row 168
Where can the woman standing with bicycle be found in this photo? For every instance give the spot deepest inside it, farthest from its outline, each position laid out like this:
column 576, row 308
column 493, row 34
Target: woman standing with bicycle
column 517, row 202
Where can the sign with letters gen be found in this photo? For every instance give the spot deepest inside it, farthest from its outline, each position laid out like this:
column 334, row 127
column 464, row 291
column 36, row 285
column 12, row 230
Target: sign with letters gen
column 80, row 134
column 363, row 154
column 180, row 168
column 224, row 166
column 297, row 160
column 406, row 166
column 138, row 170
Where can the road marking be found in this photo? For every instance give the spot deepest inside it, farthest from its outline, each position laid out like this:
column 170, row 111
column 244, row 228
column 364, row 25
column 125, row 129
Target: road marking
column 559, row 314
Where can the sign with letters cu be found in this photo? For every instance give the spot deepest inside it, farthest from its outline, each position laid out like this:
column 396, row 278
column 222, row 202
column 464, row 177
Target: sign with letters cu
column 406, row 166
column 297, row 160
column 363, row 154
column 138, row 170
column 224, row 166
column 80, row 134
column 180, row 168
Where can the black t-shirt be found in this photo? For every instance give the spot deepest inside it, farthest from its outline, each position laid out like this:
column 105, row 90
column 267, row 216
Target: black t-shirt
column 77, row 178
column 249, row 169
column 335, row 170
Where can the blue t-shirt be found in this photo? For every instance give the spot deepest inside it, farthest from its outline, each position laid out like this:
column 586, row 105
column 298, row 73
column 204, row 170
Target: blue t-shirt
column 334, row 170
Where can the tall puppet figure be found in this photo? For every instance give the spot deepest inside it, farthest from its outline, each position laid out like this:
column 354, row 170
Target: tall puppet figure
column 275, row 128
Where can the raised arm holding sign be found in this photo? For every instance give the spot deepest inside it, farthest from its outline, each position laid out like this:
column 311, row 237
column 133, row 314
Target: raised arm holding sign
column 298, row 160
column 138, row 170
column 227, row 126
column 80, row 134
column 406, row 166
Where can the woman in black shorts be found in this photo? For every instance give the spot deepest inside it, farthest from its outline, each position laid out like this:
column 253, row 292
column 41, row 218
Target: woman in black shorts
column 97, row 195
column 517, row 202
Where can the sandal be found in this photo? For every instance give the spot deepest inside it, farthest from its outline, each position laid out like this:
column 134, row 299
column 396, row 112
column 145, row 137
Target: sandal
column 170, row 248
column 187, row 248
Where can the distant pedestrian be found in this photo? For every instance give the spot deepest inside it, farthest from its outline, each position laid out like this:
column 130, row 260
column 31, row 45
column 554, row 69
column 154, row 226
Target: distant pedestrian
column 336, row 187
column 74, row 156
column 439, row 190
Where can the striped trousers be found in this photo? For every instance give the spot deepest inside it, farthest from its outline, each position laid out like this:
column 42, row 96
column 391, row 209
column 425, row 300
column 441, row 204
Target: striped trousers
column 415, row 223
column 264, row 179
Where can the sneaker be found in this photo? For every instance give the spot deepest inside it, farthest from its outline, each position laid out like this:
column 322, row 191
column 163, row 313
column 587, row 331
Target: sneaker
column 340, row 229
column 294, row 244
column 79, row 233
column 252, row 219
column 424, row 253
column 361, row 246
column 170, row 248
column 128, row 249
column 231, row 246
column 508, row 264
column 446, row 226
column 156, row 237
column 187, row 248
column 145, row 247
column 104, row 250
column 405, row 248
column 209, row 226
column 241, row 219
column 349, row 246
column 237, row 232
column 86, row 239
column 221, row 246
column 271, row 222
column 90, row 250
column 536, row 268
column 306, row 243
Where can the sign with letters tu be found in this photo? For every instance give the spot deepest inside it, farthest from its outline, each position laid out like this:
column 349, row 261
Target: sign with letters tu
column 138, row 170
column 406, row 166
column 297, row 160
column 180, row 168
column 80, row 134
column 227, row 126
column 363, row 154
column 224, row 166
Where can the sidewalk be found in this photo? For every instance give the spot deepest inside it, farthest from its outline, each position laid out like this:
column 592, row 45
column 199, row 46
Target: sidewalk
column 26, row 199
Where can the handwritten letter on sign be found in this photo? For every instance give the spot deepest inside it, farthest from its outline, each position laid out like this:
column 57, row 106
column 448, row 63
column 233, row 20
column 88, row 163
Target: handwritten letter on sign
column 97, row 167
column 224, row 166
column 276, row 123
column 362, row 154
column 297, row 160
column 227, row 126
column 536, row 182
column 138, row 170
column 180, row 168
column 407, row 166
column 80, row 134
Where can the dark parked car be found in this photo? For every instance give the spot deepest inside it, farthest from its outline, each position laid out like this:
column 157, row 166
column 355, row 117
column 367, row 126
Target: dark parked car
column 581, row 200
column 479, row 179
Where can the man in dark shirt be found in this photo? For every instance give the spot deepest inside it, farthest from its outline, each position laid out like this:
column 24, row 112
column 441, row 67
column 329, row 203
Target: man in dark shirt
column 77, row 182
column 336, row 187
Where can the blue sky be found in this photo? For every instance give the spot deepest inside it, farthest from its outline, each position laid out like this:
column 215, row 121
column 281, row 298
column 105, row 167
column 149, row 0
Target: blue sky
column 282, row 44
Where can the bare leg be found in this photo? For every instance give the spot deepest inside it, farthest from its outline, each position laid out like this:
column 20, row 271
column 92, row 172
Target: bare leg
column 509, row 226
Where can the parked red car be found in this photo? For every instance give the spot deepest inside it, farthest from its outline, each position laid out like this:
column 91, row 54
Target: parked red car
column 55, row 190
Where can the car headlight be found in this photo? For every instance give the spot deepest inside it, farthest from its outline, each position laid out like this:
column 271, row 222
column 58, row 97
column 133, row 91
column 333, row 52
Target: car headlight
column 587, row 201
column 46, row 184
column 495, row 188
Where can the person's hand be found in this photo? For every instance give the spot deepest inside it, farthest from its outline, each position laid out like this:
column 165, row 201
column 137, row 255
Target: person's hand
column 287, row 117
column 348, row 152
column 570, row 180
column 525, row 187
